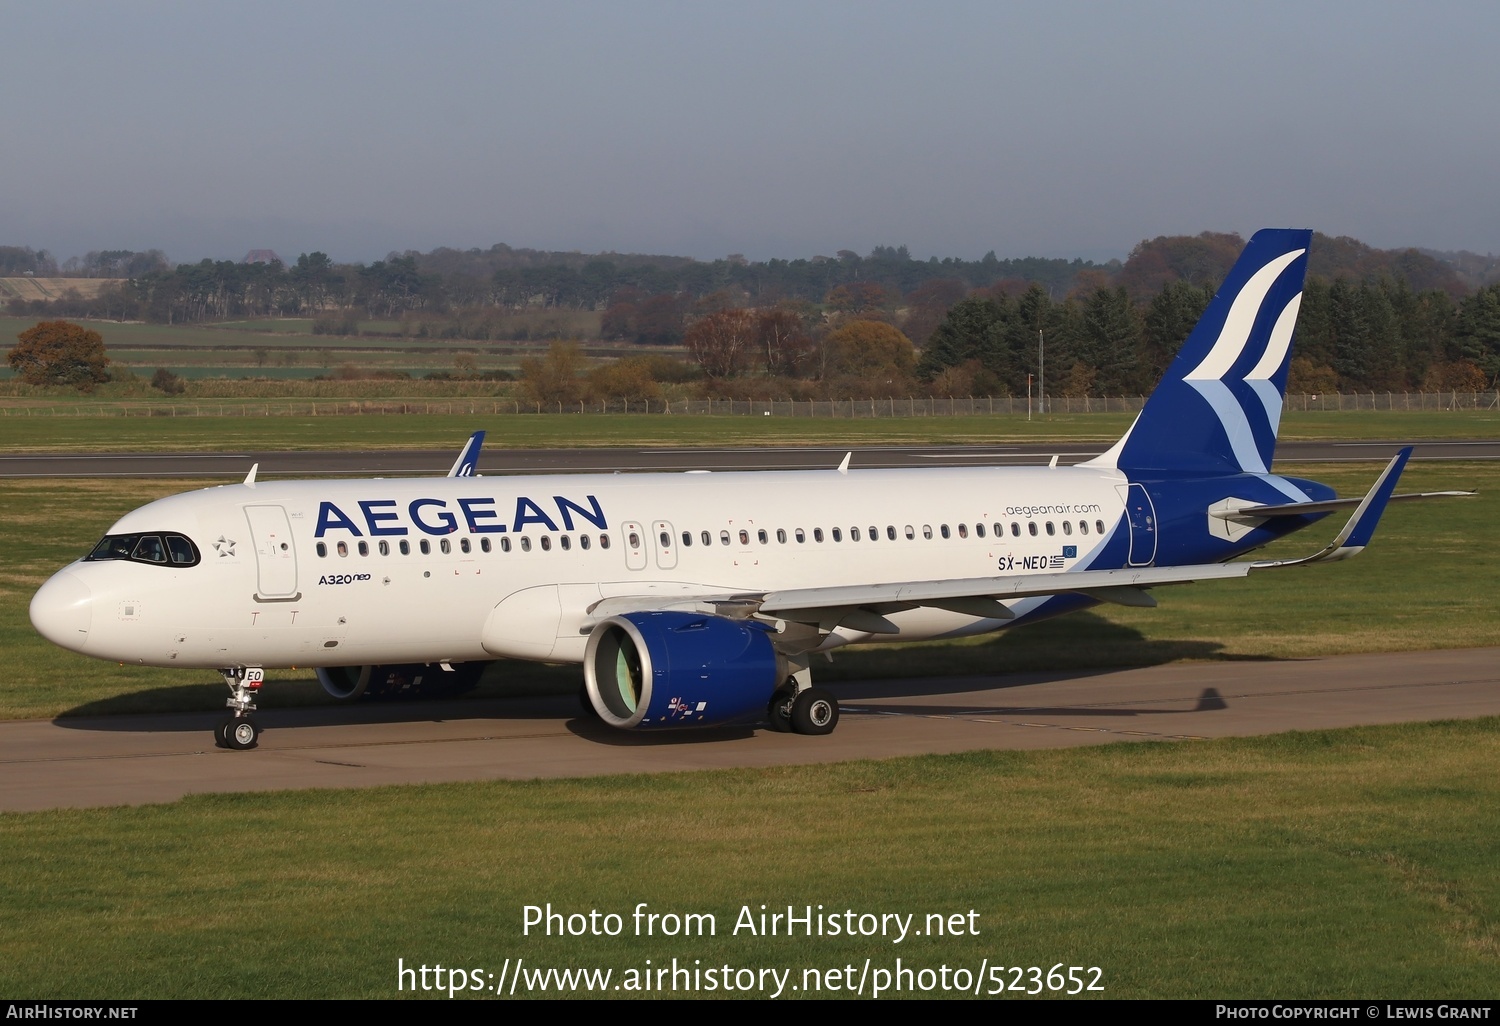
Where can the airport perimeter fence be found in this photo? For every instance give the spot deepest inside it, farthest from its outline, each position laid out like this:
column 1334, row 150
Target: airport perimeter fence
column 846, row 409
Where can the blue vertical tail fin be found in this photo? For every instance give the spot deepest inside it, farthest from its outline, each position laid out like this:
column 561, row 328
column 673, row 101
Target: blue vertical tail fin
column 1218, row 407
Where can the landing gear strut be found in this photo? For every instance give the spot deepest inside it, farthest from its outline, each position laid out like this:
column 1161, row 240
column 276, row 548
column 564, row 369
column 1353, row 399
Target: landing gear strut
column 238, row 731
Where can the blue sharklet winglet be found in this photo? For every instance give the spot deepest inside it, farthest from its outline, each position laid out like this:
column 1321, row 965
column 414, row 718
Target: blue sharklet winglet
column 467, row 463
column 1357, row 533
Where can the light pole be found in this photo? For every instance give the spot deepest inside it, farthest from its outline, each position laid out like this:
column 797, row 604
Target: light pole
column 1041, row 371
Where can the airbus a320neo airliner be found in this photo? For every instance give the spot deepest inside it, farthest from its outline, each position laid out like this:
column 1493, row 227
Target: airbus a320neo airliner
column 700, row 598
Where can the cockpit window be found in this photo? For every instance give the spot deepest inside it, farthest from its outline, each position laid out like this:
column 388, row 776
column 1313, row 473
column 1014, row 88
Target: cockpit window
column 149, row 550
column 158, row 549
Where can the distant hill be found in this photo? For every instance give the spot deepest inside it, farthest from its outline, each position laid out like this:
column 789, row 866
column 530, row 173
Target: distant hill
column 1207, row 257
column 1476, row 270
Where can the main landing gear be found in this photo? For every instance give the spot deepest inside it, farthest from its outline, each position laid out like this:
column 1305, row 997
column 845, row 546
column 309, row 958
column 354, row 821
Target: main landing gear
column 809, row 710
column 238, row 731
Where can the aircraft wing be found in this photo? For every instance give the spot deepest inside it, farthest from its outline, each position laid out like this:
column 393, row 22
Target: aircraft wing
column 863, row 606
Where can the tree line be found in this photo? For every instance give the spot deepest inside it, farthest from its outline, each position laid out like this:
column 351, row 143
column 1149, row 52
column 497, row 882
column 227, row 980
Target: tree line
column 1370, row 319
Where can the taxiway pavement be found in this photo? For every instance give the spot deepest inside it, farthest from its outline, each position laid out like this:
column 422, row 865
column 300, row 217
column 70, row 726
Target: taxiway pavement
column 130, row 760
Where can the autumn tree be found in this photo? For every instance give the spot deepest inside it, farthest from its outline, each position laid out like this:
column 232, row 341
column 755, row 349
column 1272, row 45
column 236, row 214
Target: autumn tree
column 555, row 377
column 722, row 341
column 873, row 358
column 630, row 379
column 60, row 353
column 781, row 340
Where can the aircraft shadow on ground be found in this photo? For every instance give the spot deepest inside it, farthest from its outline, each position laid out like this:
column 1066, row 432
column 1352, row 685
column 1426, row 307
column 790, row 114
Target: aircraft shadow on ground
column 1009, row 660
column 1073, row 647
column 1209, row 700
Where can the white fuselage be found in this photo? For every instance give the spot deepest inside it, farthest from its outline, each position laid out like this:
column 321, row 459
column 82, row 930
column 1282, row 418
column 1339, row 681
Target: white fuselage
column 313, row 573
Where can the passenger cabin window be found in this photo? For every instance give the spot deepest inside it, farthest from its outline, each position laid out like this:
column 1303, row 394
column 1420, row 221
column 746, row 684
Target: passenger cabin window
column 723, row 537
column 911, row 533
column 322, row 550
column 945, row 532
column 1015, row 529
column 604, row 541
column 706, row 538
column 761, row 536
column 504, row 544
column 1031, row 526
column 385, row 548
column 781, row 535
column 343, row 548
column 1067, row 527
column 566, row 541
column 666, row 540
column 963, row 530
column 1099, row 526
column 525, row 543
column 890, row 532
column 687, row 538
column 1050, row 529
column 744, row 537
column 979, row 530
column 838, row 535
column 854, row 534
column 1083, row 527
column 424, row 545
column 583, row 541
column 156, row 549
column 801, row 536
column 484, row 544
column 546, row 543
column 817, row 534
column 927, row 531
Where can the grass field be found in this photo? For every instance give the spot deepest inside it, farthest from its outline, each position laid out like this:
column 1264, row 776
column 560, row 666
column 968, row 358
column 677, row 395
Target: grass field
column 23, row 429
column 275, row 334
column 1355, row 863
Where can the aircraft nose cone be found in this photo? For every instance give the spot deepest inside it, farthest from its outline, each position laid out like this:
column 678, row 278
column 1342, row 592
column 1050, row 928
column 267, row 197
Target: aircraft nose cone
column 62, row 610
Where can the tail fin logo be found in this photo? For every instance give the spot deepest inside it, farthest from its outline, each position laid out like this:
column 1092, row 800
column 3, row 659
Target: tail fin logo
column 1209, row 376
column 1218, row 407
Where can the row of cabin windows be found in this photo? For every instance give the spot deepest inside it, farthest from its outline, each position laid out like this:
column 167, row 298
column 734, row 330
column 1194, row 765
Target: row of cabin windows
column 874, row 533
column 465, row 546
column 565, row 542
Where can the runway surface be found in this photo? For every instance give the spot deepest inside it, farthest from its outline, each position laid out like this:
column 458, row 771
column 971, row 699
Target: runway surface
column 127, row 760
column 494, row 460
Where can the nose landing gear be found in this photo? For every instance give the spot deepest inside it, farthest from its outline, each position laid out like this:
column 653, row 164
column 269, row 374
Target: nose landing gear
column 238, row 731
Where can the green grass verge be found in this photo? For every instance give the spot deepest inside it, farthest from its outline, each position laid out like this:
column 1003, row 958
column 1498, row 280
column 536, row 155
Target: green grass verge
column 1339, row 864
column 1427, row 582
column 261, row 428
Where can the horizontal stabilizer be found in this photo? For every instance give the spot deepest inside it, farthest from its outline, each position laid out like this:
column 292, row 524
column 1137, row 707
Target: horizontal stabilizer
column 1298, row 509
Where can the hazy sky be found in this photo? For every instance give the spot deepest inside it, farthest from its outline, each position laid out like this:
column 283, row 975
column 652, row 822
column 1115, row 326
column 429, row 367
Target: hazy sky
column 763, row 128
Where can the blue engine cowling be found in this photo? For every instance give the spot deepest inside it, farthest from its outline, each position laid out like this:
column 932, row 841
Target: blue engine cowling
column 674, row 669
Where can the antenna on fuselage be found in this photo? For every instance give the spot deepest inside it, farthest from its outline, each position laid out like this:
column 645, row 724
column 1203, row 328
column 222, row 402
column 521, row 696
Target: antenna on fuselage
column 844, row 466
column 250, row 477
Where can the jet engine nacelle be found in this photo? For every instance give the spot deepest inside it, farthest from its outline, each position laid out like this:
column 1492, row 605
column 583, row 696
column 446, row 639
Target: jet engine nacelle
column 399, row 680
column 677, row 669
